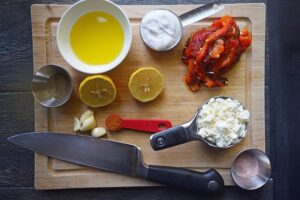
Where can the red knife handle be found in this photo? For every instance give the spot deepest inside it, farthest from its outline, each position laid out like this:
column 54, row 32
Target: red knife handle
column 148, row 125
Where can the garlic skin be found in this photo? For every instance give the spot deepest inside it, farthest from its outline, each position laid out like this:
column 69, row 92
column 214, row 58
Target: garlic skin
column 87, row 114
column 98, row 132
column 77, row 124
column 88, row 124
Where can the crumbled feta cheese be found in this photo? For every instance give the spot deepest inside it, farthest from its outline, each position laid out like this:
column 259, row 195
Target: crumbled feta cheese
column 244, row 115
column 222, row 121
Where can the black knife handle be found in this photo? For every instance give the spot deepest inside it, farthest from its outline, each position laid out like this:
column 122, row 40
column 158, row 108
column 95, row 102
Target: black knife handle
column 203, row 182
column 168, row 138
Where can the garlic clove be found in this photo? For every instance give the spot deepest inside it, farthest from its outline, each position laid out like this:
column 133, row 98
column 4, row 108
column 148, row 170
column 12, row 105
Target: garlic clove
column 88, row 124
column 86, row 115
column 77, row 124
column 98, row 132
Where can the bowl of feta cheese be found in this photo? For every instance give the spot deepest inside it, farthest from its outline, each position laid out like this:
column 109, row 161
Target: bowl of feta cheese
column 222, row 122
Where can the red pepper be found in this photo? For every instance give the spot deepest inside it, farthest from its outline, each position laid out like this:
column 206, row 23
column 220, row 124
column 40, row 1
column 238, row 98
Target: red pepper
column 212, row 51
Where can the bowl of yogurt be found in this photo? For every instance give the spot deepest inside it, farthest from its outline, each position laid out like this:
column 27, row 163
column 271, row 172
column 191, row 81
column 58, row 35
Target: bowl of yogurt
column 162, row 29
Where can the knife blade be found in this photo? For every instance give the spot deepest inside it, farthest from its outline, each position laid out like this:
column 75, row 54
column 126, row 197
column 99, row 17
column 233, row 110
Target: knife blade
column 116, row 157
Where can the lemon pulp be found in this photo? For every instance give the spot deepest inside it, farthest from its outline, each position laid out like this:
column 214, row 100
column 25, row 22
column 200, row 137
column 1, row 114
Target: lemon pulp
column 97, row 91
column 97, row 38
column 146, row 83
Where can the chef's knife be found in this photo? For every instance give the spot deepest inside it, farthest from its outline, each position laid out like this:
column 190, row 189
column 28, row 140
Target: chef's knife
column 116, row 157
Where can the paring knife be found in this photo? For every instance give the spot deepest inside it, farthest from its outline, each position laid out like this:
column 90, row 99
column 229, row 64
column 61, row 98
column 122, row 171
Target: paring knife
column 116, row 157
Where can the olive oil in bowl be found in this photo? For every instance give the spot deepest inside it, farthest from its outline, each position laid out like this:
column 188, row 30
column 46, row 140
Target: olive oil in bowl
column 97, row 38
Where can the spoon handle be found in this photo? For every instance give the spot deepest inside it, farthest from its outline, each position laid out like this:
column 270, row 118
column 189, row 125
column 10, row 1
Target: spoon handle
column 169, row 138
column 148, row 125
column 201, row 12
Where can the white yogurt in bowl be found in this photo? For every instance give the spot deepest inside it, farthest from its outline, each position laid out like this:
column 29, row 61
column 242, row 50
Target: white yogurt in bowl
column 161, row 30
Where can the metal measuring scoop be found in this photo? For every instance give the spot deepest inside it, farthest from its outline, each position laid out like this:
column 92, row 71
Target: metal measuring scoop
column 184, row 133
column 52, row 86
column 251, row 169
column 187, row 18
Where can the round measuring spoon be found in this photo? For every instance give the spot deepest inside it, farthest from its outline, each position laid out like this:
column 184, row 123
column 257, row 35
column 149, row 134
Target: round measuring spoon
column 153, row 26
column 183, row 133
column 52, row 86
column 251, row 169
column 115, row 122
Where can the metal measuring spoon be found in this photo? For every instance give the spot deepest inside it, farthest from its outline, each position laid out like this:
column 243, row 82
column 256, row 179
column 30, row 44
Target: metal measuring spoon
column 185, row 19
column 52, row 86
column 183, row 133
column 251, row 169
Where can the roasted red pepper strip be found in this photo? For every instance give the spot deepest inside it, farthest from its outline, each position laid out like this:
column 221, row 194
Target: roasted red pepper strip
column 212, row 51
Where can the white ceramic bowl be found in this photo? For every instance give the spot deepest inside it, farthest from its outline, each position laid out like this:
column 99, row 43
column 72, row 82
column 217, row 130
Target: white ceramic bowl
column 71, row 16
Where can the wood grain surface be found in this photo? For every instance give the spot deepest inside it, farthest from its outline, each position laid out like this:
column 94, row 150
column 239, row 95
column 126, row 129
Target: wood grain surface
column 177, row 103
column 282, row 85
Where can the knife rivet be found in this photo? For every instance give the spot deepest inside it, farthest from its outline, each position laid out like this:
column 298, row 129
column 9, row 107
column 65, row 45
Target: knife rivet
column 160, row 141
column 213, row 186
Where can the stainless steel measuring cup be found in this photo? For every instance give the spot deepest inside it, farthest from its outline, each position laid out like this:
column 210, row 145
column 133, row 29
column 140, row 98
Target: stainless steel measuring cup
column 188, row 18
column 251, row 169
column 183, row 133
column 52, row 86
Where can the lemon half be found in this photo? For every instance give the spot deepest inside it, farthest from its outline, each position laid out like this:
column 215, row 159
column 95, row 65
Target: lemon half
column 146, row 83
column 97, row 91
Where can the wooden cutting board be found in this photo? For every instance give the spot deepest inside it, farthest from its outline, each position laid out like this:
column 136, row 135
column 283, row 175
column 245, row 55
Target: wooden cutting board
column 177, row 103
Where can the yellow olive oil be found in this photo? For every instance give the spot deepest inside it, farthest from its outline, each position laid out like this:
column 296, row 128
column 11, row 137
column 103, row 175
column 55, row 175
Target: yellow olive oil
column 97, row 38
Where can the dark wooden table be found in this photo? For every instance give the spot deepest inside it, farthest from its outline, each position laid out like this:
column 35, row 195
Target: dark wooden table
column 282, row 108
